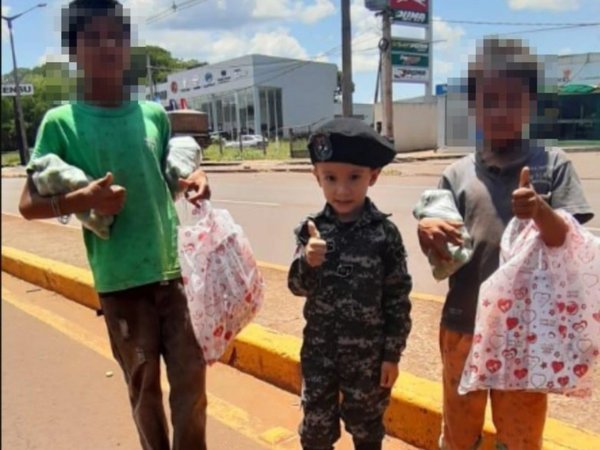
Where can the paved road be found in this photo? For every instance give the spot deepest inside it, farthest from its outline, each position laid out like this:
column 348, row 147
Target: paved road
column 270, row 205
column 56, row 393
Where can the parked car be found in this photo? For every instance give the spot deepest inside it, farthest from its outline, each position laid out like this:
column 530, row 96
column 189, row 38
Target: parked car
column 248, row 140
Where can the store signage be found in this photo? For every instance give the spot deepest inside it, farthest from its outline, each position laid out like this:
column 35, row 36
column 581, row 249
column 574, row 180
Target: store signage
column 410, row 12
column 410, row 60
column 8, row 90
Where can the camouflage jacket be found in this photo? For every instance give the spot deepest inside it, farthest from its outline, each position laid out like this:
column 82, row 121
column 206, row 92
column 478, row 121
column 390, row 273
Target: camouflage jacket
column 359, row 297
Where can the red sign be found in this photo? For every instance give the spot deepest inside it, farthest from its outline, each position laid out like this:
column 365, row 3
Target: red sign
column 410, row 5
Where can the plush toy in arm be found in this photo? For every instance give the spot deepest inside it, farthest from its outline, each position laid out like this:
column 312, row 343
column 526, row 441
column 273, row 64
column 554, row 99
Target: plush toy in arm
column 52, row 176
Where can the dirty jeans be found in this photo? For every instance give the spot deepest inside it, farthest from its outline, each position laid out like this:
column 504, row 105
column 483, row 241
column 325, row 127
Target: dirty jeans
column 518, row 416
column 144, row 323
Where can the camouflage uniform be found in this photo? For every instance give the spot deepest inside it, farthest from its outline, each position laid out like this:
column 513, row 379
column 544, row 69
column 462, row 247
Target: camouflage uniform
column 357, row 315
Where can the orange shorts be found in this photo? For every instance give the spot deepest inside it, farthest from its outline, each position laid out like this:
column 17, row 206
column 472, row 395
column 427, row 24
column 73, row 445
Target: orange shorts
column 518, row 416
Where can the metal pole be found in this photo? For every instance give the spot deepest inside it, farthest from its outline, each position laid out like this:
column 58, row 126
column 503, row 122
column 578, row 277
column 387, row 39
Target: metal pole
column 346, row 60
column 149, row 80
column 378, row 82
column 24, row 153
column 429, row 39
column 386, row 76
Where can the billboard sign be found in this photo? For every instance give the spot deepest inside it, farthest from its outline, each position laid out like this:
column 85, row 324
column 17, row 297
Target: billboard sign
column 410, row 12
column 410, row 60
column 410, row 75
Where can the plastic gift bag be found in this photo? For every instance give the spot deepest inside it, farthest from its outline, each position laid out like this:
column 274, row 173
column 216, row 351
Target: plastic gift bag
column 538, row 318
column 439, row 203
column 52, row 176
column 223, row 285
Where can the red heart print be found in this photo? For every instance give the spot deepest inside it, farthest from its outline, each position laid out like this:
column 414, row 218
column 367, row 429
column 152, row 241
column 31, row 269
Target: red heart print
column 532, row 338
column 572, row 308
column 596, row 316
column 477, row 338
column 562, row 329
column 509, row 353
column 561, row 306
column 228, row 335
column 580, row 326
column 504, row 304
column 520, row 293
column 557, row 366
column 493, row 365
column 512, row 322
column 563, row 381
column 521, row 373
column 248, row 297
column 218, row 331
column 580, row 370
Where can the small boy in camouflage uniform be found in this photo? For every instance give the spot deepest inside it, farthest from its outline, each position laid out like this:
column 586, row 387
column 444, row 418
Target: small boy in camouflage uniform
column 351, row 267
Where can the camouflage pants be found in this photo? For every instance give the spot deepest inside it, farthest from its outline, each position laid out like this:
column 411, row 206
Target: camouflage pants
column 361, row 404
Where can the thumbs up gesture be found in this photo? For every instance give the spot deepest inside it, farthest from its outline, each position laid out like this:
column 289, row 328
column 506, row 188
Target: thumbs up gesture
column 316, row 247
column 525, row 201
column 104, row 196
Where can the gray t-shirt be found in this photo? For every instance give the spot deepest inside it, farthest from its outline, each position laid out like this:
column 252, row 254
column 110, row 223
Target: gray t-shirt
column 483, row 195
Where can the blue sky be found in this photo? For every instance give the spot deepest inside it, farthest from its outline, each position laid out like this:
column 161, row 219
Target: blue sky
column 214, row 30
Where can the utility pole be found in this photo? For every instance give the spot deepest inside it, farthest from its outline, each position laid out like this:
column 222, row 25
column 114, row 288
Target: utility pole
column 149, row 75
column 347, row 85
column 24, row 151
column 386, row 75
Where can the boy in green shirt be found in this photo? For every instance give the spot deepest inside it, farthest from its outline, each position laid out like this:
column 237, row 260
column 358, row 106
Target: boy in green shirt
column 122, row 145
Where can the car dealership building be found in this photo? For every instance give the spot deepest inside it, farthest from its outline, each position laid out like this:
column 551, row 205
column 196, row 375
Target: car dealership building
column 255, row 94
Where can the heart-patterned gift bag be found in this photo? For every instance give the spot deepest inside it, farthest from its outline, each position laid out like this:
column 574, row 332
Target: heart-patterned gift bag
column 223, row 285
column 538, row 317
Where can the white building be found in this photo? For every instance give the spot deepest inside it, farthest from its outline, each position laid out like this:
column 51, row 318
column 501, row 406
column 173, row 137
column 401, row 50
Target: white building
column 255, row 94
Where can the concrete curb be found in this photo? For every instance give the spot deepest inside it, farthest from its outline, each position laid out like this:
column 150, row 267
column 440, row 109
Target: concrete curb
column 414, row 414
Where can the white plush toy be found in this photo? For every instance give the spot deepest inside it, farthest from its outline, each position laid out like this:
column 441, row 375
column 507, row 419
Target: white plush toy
column 52, row 176
column 439, row 203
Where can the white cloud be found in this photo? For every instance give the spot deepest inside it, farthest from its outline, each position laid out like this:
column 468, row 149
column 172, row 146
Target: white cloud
column 552, row 5
column 5, row 12
column 206, row 46
column 445, row 35
column 284, row 9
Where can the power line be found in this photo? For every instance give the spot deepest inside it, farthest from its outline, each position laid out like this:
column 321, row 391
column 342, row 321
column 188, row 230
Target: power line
column 518, row 24
column 172, row 10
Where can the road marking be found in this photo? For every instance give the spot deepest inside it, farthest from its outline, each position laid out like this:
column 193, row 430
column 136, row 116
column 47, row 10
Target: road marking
column 221, row 410
column 242, row 202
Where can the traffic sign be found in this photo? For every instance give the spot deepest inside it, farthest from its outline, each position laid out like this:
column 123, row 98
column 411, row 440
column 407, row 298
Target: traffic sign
column 8, row 90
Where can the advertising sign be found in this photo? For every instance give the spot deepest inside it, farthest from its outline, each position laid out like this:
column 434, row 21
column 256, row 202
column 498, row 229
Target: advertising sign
column 410, row 12
column 8, row 90
column 410, row 60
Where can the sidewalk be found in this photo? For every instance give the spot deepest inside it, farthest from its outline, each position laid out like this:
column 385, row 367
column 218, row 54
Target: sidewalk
column 283, row 312
column 421, row 163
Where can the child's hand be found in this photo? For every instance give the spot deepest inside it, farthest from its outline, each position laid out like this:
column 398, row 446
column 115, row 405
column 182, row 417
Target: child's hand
column 434, row 235
column 389, row 374
column 107, row 199
column 316, row 247
column 525, row 201
column 197, row 182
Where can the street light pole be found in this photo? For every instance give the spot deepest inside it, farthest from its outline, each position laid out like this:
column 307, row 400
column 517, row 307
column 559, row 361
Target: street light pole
column 24, row 153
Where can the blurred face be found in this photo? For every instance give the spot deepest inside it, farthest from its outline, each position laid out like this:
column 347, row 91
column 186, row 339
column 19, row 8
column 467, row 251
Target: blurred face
column 103, row 51
column 502, row 107
column 345, row 186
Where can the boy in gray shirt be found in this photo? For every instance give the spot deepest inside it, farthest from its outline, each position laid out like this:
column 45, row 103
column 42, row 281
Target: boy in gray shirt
column 508, row 175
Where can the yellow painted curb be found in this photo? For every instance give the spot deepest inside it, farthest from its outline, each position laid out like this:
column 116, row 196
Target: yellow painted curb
column 72, row 282
column 414, row 414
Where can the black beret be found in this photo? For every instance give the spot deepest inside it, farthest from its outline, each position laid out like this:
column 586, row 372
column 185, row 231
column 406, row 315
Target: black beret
column 352, row 141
